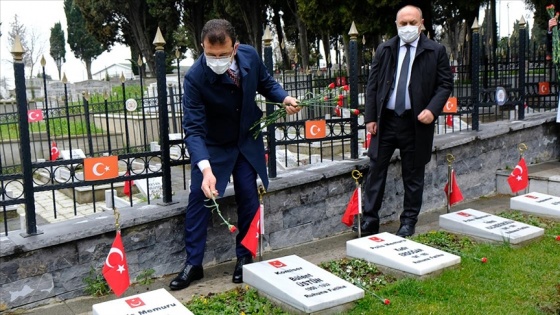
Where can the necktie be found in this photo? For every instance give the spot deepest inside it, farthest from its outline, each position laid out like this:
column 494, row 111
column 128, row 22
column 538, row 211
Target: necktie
column 401, row 86
column 233, row 77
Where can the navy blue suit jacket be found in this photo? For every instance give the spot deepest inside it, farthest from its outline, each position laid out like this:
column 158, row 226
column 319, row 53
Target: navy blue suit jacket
column 214, row 128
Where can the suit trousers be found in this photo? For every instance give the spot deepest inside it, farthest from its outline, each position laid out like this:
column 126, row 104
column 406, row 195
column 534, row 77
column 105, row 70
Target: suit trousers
column 198, row 215
column 397, row 132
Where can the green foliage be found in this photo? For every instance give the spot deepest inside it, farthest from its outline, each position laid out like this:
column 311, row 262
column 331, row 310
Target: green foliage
column 444, row 241
column 237, row 301
column 146, row 277
column 96, row 284
column 58, row 127
column 359, row 272
column 58, row 46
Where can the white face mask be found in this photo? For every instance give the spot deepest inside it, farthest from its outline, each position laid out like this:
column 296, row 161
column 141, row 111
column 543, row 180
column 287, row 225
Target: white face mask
column 408, row 33
column 218, row 65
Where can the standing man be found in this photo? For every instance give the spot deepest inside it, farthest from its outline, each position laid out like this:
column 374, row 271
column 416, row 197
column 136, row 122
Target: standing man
column 408, row 86
column 219, row 109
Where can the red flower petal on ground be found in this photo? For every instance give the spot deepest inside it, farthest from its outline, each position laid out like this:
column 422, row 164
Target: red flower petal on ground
column 386, row 302
column 484, row 260
column 232, row 228
column 558, row 237
column 331, row 86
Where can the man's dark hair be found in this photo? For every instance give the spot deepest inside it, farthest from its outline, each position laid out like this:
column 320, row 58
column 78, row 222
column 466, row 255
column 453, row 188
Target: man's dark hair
column 217, row 30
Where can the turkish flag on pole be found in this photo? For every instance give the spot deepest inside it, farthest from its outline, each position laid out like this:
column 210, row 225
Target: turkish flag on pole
column 251, row 239
column 449, row 121
column 455, row 195
column 55, row 152
column 519, row 178
column 127, row 189
column 353, row 208
column 115, row 269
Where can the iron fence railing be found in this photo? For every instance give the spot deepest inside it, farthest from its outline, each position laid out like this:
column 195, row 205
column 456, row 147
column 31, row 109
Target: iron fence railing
column 145, row 132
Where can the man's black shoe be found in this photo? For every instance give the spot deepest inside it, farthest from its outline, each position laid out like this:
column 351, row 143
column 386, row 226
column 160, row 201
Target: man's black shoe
column 189, row 274
column 406, row 230
column 238, row 271
column 368, row 227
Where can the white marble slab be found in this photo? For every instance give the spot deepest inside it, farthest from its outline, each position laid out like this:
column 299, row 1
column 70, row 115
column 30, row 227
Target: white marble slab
column 399, row 253
column 74, row 154
column 154, row 183
column 158, row 302
column 537, row 203
column 488, row 226
column 300, row 284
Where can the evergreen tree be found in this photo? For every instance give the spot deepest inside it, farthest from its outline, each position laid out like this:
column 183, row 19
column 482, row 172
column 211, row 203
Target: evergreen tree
column 58, row 46
column 82, row 43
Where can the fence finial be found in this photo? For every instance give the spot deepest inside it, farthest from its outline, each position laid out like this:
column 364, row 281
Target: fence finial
column 267, row 37
column 159, row 42
column 17, row 49
column 475, row 25
column 522, row 22
column 353, row 31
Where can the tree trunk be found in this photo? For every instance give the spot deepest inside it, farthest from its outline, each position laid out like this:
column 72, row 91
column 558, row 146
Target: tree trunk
column 88, row 68
column 326, row 48
column 280, row 33
column 303, row 43
column 137, row 13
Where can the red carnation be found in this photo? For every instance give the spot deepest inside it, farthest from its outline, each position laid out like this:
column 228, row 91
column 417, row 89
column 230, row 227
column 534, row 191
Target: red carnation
column 340, row 97
column 331, row 86
column 558, row 237
column 386, row 302
column 356, row 112
column 232, row 228
column 340, row 103
column 484, row 260
column 346, row 88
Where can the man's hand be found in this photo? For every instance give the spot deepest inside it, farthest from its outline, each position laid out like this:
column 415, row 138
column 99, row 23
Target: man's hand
column 291, row 105
column 552, row 23
column 426, row 117
column 371, row 127
column 209, row 183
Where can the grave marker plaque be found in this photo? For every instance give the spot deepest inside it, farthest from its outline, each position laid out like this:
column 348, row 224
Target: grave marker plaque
column 399, row 253
column 537, row 203
column 152, row 185
column 300, row 284
column 158, row 302
column 488, row 226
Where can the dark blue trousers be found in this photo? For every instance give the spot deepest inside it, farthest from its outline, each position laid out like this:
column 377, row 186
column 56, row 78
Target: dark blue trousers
column 197, row 215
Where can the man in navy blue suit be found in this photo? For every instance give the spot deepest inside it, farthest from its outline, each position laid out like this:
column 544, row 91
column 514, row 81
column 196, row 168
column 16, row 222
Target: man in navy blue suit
column 219, row 109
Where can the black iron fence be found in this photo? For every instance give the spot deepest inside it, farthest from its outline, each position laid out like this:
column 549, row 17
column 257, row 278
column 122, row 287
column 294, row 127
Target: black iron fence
column 144, row 130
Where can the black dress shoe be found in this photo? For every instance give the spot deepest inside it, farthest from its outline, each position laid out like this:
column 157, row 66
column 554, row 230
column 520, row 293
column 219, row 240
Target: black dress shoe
column 406, row 230
column 238, row 271
column 189, row 274
column 367, row 228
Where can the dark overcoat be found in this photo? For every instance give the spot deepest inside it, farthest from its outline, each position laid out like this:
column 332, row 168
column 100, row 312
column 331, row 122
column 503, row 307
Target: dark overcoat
column 431, row 83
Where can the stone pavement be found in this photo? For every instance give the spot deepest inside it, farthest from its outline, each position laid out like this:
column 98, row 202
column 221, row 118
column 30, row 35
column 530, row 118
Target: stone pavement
column 218, row 278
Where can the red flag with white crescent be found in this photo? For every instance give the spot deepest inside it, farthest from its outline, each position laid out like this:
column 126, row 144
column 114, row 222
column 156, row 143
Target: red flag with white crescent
column 519, row 177
column 251, row 239
column 115, row 269
column 55, row 152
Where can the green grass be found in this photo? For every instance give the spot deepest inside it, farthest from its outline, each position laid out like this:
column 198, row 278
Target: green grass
column 514, row 280
column 58, row 127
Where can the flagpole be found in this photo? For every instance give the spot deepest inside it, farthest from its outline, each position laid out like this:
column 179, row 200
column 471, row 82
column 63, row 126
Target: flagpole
column 356, row 175
column 262, row 191
column 522, row 147
column 450, row 159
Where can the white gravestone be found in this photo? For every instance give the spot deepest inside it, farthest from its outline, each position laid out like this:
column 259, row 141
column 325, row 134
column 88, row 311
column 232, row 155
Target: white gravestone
column 537, row 203
column 74, row 154
column 488, row 226
column 399, row 253
column 300, row 284
column 152, row 185
column 158, row 302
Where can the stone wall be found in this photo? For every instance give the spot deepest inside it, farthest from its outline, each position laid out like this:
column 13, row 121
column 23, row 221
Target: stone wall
column 302, row 205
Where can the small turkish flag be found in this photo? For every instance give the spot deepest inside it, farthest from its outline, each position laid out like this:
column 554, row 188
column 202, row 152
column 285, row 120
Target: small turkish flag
column 449, row 121
column 127, row 189
column 251, row 239
column 34, row 115
column 519, row 178
column 55, row 152
column 115, row 269
column 455, row 195
column 315, row 129
column 104, row 167
column 353, row 208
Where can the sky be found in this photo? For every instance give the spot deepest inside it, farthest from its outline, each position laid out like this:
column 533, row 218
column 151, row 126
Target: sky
column 41, row 15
